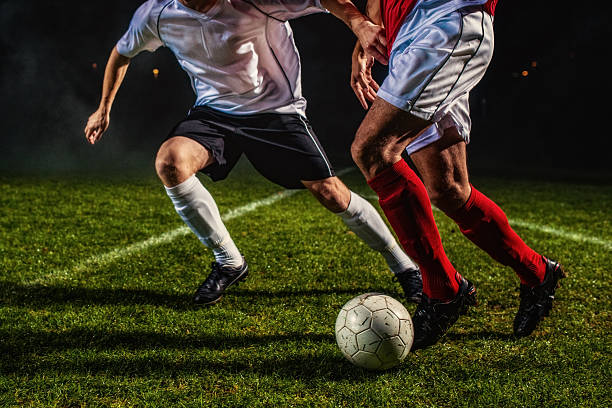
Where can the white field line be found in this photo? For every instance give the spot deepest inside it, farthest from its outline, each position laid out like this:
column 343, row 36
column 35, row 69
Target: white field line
column 573, row 236
column 119, row 253
column 558, row 232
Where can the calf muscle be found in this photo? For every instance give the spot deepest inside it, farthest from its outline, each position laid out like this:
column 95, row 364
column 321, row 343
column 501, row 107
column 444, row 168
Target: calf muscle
column 332, row 193
column 443, row 169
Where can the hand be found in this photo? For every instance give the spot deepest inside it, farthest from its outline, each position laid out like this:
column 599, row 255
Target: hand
column 372, row 39
column 363, row 84
column 96, row 125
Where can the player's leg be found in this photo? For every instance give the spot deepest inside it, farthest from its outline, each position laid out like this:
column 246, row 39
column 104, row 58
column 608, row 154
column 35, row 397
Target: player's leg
column 179, row 158
column 435, row 60
column 443, row 168
column 404, row 200
column 362, row 218
column 177, row 161
column 285, row 150
column 377, row 149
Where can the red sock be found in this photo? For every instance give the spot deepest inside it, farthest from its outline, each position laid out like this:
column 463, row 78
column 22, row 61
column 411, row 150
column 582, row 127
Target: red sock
column 486, row 225
column 403, row 198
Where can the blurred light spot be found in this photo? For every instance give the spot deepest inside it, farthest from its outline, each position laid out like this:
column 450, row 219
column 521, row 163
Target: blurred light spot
column 155, row 72
column 524, row 73
column 534, row 64
column 94, row 66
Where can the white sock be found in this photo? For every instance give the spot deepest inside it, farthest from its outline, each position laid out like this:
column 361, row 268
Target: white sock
column 363, row 219
column 198, row 209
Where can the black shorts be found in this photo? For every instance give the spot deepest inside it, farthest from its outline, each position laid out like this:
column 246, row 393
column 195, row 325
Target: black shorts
column 282, row 147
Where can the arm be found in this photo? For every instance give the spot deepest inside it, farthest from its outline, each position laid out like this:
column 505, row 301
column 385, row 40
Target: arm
column 141, row 35
column 362, row 82
column 371, row 36
column 98, row 122
column 373, row 12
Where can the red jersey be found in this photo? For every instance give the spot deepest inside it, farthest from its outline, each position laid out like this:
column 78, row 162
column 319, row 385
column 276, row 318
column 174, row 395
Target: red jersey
column 395, row 11
column 490, row 7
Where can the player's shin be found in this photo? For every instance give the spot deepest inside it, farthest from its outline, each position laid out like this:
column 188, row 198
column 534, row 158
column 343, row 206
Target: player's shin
column 486, row 225
column 403, row 198
column 199, row 211
column 363, row 219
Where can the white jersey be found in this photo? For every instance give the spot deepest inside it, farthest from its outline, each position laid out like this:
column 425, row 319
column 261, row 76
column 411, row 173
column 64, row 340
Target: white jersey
column 240, row 54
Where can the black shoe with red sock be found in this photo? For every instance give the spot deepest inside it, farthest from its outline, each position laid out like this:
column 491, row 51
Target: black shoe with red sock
column 536, row 302
column 433, row 318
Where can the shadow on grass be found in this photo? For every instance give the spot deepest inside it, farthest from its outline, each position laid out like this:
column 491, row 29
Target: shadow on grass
column 150, row 353
column 159, row 355
column 480, row 335
column 155, row 353
column 12, row 294
column 22, row 341
column 143, row 354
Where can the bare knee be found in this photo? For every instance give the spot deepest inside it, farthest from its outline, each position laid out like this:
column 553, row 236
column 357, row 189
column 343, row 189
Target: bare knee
column 359, row 155
column 448, row 195
column 382, row 137
column 176, row 162
column 371, row 155
column 170, row 168
column 330, row 192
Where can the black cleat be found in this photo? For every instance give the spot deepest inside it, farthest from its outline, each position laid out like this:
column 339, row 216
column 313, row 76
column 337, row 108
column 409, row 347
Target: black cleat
column 432, row 318
column 412, row 283
column 536, row 302
column 221, row 278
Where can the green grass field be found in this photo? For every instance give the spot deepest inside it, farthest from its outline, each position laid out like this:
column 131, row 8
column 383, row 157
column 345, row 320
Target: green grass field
column 97, row 277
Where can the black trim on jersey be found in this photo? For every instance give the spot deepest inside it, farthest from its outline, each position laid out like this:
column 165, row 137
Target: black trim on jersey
column 276, row 59
column 467, row 62
column 263, row 12
column 270, row 46
column 158, row 18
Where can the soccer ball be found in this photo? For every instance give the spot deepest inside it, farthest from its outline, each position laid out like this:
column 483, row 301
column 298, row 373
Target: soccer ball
column 374, row 331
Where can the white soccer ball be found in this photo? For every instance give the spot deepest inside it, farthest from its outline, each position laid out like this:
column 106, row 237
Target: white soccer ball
column 374, row 331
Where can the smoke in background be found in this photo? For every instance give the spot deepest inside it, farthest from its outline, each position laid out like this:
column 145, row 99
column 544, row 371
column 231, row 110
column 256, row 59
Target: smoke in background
column 49, row 86
column 53, row 59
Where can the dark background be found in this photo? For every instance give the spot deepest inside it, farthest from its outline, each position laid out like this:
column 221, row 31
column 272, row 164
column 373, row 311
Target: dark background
column 551, row 122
